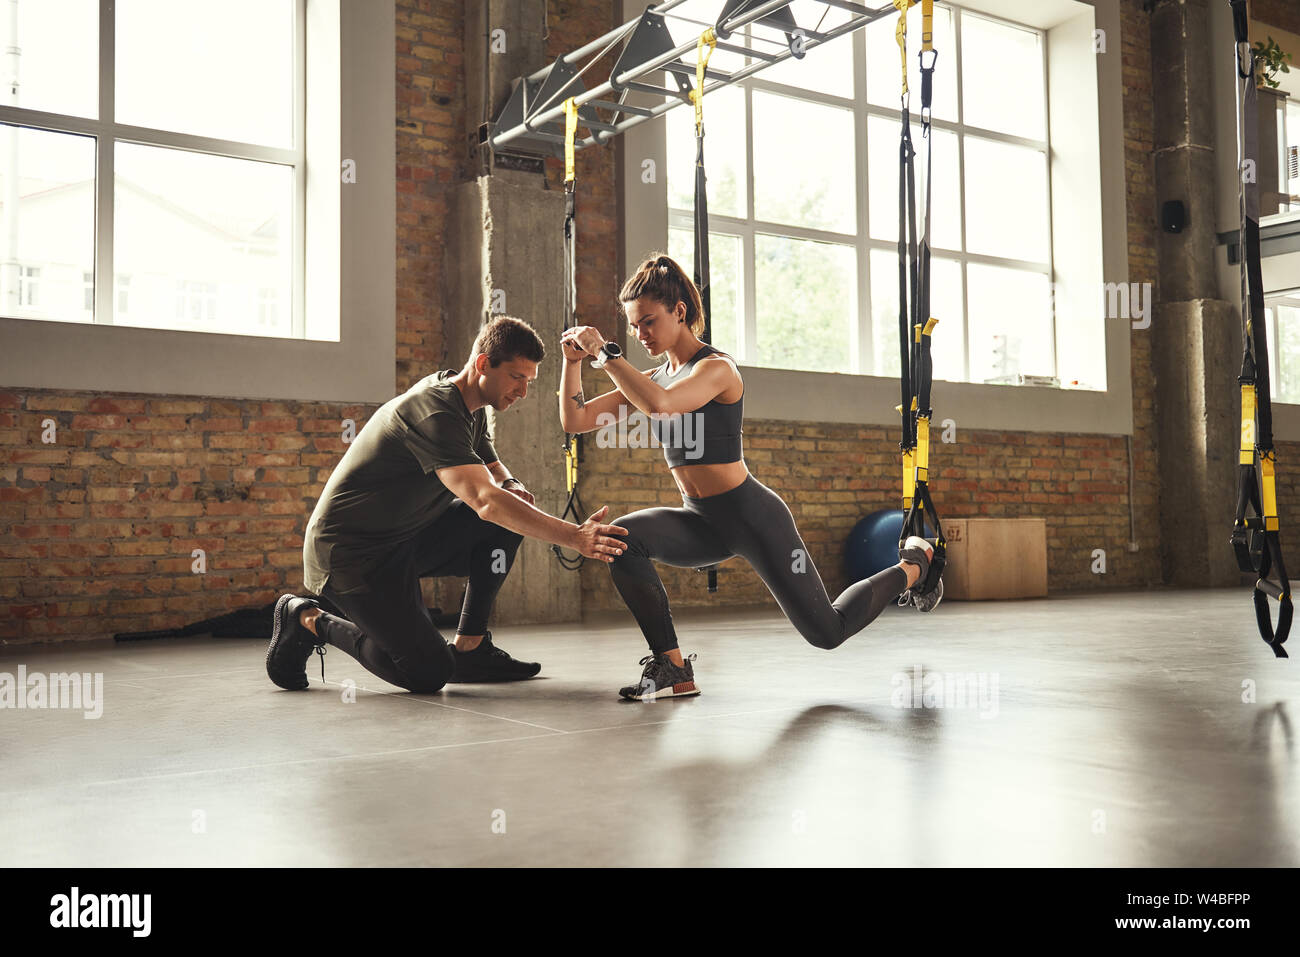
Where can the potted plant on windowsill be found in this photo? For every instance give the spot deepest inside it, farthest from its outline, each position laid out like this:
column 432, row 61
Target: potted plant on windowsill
column 1270, row 63
column 1270, row 60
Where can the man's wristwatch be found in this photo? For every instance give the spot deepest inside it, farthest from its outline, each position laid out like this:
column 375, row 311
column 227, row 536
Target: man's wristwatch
column 609, row 350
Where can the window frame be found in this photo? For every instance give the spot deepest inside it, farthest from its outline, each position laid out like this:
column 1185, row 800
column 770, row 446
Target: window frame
column 350, row 297
column 1291, row 297
column 106, row 133
column 1090, row 149
column 862, row 110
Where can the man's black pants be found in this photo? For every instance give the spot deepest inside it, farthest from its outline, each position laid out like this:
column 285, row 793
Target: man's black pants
column 387, row 627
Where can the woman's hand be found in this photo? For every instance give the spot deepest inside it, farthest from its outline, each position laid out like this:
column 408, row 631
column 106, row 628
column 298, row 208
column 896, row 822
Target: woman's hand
column 572, row 352
column 587, row 338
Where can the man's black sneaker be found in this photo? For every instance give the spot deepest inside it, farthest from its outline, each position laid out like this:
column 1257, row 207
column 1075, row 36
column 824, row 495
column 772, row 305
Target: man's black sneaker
column 291, row 644
column 660, row 678
column 487, row 662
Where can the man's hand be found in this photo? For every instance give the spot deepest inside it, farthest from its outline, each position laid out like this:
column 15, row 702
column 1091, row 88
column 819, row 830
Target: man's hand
column 598, row 541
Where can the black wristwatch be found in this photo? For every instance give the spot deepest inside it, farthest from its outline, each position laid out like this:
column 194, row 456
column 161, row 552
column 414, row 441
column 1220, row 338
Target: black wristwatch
column 609, row 350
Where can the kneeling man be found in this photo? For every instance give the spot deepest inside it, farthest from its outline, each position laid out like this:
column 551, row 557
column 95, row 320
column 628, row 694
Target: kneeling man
column 421, row 493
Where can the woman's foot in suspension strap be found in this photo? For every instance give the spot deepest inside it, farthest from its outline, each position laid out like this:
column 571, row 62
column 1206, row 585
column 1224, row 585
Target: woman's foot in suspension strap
column 917, row 551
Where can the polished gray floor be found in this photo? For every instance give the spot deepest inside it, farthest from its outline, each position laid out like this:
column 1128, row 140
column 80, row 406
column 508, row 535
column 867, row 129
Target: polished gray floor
column 1109, row 730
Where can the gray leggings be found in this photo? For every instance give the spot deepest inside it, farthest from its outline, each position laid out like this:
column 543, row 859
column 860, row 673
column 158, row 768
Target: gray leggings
column 753, row 522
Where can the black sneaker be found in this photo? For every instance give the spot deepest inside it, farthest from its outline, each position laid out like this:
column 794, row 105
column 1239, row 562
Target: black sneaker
column 660, row 678
column 487, row 662
column 930, row 600
column 291, row 644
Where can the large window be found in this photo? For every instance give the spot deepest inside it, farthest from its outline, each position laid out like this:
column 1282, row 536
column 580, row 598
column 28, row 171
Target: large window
column 803, row 200
column 1283, row 311
column 152, row 157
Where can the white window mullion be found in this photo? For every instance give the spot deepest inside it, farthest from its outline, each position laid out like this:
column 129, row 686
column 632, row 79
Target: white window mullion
column 961, row 200
column 1051, row 245
column 298, row 277
column 105, row 281
column 749, row 330
column 862, row 357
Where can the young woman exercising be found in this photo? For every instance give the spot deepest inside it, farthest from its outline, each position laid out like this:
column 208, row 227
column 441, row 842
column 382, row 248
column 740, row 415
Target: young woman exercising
column 725, row 510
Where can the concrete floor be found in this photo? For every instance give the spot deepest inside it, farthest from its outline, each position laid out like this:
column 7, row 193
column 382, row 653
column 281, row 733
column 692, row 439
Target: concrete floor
column 1117, row 737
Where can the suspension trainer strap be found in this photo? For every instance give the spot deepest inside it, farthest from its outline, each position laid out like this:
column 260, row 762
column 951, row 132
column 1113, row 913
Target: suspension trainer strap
column 906, row 258
column 703, row 51
column 573, row 505
column 1255, row 527
column 915, row 324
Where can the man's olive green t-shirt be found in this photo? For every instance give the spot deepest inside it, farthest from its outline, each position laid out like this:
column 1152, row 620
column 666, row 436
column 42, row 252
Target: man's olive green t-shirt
column 385, row 490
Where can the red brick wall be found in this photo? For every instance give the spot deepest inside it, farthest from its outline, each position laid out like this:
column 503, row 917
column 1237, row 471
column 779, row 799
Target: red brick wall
column 99, row 526
column 831, row 475
column 431, row 158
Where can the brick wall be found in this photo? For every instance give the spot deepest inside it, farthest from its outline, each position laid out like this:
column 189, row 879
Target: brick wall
column 431, row 159
column 99, row 526
column 831, row 475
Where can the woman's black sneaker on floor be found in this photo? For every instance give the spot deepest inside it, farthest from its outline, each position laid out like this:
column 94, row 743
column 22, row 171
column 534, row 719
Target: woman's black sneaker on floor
column 660, row 678
column 487, row 662
column 291, row 644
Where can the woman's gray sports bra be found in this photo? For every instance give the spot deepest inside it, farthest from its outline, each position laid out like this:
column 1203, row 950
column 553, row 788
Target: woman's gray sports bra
column 710, row 435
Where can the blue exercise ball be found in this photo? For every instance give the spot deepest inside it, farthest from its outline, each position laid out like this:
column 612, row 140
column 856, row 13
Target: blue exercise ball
column 872, row 546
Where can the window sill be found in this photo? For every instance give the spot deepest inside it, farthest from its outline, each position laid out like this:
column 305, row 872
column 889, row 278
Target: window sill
column 787, row 395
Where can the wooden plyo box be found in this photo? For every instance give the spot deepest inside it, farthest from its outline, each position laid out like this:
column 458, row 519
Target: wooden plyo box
column 995, row 558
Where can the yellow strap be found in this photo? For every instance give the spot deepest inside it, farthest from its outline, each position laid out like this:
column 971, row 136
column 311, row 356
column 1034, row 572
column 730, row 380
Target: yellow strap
column 571, row 464
column 570, row 130
column 1268, row 490
column 1247, row 424
column 710, row 39
column 922, row 448
column 927, row 25
column 929, row 326
column 909, row 479
column 900, row 34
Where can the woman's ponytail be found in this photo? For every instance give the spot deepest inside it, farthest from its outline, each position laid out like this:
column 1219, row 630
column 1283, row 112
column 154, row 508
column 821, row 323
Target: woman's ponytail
column 662, row 279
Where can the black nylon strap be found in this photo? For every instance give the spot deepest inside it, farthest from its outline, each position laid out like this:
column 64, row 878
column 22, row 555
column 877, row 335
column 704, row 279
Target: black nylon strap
column 573, row 505
column 702, row 238
column 1258, row 548
column 906, row 276
column 916, row 365
column 702, row 281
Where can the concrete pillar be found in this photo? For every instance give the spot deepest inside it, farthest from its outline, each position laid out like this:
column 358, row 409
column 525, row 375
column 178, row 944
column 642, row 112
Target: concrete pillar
column 504, row 237
column 1196, row 338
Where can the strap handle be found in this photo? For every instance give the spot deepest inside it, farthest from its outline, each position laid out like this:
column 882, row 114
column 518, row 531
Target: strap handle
column 709, row 39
